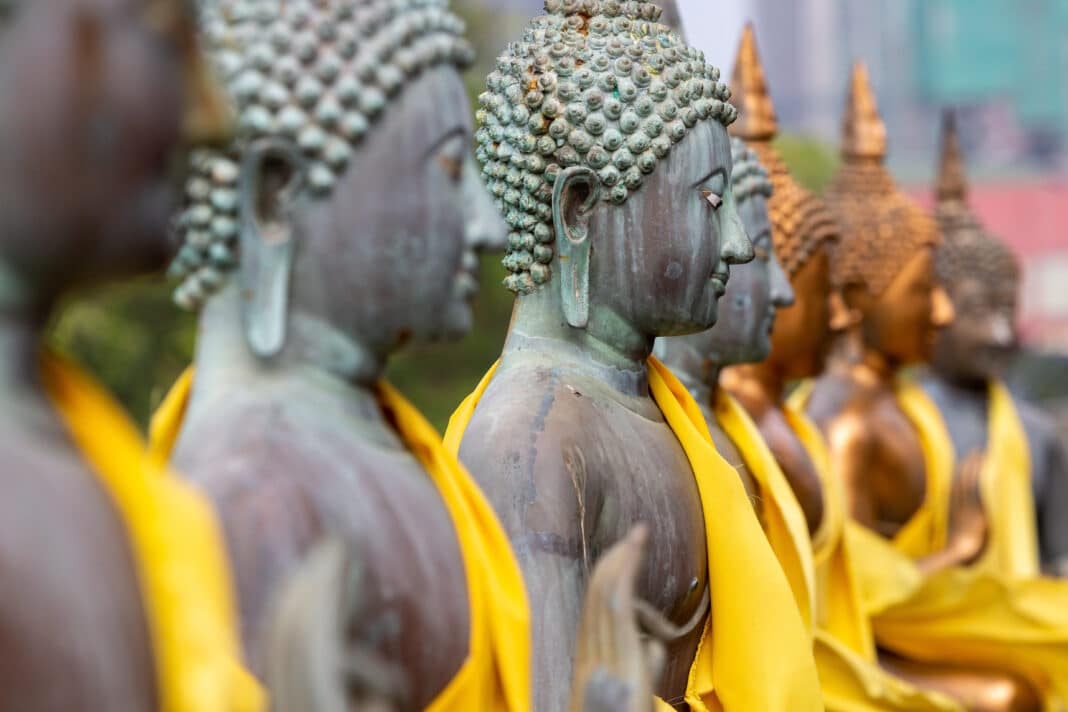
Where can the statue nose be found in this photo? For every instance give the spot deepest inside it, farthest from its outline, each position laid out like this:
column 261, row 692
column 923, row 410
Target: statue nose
column 942, row 311
column 737, row 247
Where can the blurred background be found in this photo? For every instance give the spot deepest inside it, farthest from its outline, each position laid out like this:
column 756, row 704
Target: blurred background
column 1003, row 64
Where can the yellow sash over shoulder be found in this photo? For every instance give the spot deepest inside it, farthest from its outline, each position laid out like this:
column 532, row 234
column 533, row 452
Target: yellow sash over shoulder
column 177, row 548
column 755, row 653
column 851, row 679
column 496, row 674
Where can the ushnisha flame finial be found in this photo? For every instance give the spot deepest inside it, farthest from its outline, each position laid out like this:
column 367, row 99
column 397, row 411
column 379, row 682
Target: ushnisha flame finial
column 756, row 113
column 801, row 222
column 952, row 182
column 863, row 130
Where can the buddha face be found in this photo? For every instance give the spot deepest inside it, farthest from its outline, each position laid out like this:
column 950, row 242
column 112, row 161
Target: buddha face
column 381, row 257
column 981, row 342
column 85, row 152
column 484, row 231
column 904, row 321
column 802, row 332
column 661, row 261
column 742, row 333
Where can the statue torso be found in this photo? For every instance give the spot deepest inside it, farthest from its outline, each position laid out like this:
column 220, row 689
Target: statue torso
column 59, row 534
column 571, row 464
column 285, row 464
column 966, row 414
column 874, row 440
column 796, row 464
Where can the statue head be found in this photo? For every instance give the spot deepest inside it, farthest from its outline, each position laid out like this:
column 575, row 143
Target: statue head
column 97, row 97
column 981, row 275
column 340, row 197
column 603, row 138
column 803, row 228
column 884, row 262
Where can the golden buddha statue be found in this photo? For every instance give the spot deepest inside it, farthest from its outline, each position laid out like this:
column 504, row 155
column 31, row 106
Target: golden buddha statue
column 990, row 642
column 1027, row 480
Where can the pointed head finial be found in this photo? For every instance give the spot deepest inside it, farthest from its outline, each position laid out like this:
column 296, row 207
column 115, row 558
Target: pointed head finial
column 756, row 114
column 863, row 130
column 952, row 182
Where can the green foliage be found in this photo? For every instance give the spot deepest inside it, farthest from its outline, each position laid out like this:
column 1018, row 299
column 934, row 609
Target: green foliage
column 131, row 337
column 811, row 162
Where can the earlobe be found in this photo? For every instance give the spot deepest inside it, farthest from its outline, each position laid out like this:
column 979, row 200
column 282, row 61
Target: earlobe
column 575, row 193
column 843, row 316
column 272, row 175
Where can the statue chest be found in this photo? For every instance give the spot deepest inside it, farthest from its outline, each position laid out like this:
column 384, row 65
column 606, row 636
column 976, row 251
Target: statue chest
column 897, row 474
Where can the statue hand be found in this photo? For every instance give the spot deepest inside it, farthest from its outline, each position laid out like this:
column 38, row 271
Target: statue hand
column 968, row 525
column 615, row 667
column 310, row 664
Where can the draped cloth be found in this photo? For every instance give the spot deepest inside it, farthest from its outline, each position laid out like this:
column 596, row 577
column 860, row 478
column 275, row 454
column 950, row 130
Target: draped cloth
column 177, row 547
column 496, row 673
column 850, row 676
column 755, row 653
column 970, row 615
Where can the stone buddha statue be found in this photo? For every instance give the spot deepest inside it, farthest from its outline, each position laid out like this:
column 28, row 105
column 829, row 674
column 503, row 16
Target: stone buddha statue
column 95, row 97
column 327, row 235
column 983, row 279
column 603, row 136
column 888, row 308
column 746, row 315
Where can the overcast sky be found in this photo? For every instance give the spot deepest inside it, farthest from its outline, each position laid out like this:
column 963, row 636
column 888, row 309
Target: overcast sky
column 719, row 23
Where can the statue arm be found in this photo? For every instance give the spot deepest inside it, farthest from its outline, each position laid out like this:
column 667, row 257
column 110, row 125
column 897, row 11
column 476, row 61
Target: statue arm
column 542, row 509
column 852, row 452
column 1052, row 506
column 269, row 526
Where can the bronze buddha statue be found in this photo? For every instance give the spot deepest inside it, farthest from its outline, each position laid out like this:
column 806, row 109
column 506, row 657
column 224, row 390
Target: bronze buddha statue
column 982, row 277
column 321, row 240
column 888, row 308
column 97, row 97
column 802, row 231
column 604, row 137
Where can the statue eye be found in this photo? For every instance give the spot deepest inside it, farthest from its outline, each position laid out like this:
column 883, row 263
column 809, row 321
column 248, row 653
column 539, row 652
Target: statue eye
column 453, row 167
column 761, row 253
column 712, row 198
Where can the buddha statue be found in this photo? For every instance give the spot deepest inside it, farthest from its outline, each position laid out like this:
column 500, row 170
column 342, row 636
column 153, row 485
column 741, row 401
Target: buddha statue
column 1021, row 443
column 96, row 99
column 604, row 137
column 917, row 523
column 745, row 320
column 327, row 235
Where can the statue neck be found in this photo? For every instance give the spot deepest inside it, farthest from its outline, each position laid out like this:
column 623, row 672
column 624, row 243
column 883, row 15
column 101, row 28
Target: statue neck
column 609, row 348
column 874, row 369
column 694, row 370
column 20, row 343
column 314, row 352
column 757, row 385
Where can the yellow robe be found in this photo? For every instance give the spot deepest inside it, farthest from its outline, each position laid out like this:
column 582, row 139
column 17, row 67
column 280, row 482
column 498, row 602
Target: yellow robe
column 496, row 674
column 962, row 615
column 755, row 653
column 850, row 676
column 178, row 551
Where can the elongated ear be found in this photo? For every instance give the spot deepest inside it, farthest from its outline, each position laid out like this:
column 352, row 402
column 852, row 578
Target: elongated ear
column 575, row 193
column 843, row 316
column 272, row 175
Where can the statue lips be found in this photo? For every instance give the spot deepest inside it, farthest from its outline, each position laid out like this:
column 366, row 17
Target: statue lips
column 719, row 281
